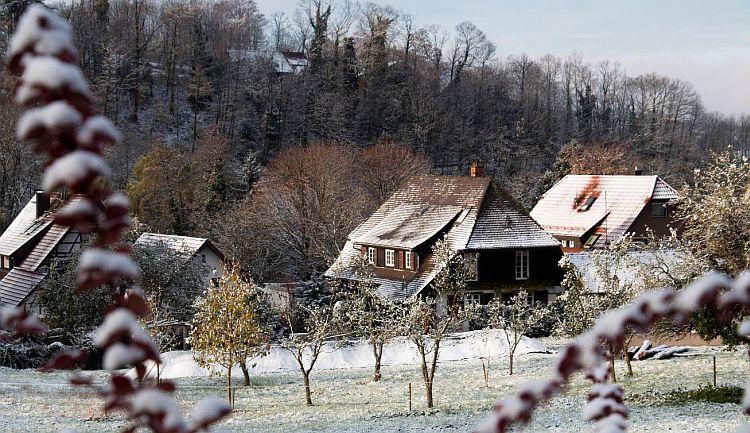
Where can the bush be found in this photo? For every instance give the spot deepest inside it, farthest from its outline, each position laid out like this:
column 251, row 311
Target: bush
column 707, row 393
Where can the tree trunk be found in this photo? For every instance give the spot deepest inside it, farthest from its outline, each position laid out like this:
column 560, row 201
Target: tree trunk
column 612, row 365
column 377, row 351
column 428, row 392
column 229, row 381
column 629, row 366
column 243, row 366
column 308, row 397
column 510, row 363
column 195, row 129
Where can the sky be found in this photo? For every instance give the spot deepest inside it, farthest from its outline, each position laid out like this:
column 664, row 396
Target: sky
column 705, row 42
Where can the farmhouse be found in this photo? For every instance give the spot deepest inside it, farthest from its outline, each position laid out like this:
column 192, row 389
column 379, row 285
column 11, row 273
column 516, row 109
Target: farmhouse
column 505, row 248
column 28, row 245
column 590, row 211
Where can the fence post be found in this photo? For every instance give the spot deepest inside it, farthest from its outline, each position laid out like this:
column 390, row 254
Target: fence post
column 714, row 362
column 409, row 396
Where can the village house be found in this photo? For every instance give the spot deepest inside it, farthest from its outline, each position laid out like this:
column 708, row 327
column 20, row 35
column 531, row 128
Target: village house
column 505, row 248
column 190, row 248
column 591, row 211
column 28, row 246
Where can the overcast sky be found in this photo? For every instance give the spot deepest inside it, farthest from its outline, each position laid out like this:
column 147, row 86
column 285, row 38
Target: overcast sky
column 706, row 42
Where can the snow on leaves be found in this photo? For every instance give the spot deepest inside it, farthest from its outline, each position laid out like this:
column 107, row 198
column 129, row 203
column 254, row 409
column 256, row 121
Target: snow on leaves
column 60, row 123
column 586, row 353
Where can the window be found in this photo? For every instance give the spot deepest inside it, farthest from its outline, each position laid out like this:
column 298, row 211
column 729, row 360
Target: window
column 587, row 204
column 522, row 265
column 407, row 260
column 371, row 255
column 659, row 210
column 7, row 262
column 473, row 298
column 390, row 258
column 568, row 243
column 591, row 241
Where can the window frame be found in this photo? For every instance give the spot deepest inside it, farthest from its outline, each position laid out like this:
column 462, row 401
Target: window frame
column 522, row 265
column 407, row 260
column 472, row 298
column 392, row 262
column 371, row 255
column 662, row 214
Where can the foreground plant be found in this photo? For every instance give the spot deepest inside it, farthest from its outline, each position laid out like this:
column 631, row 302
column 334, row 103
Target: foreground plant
column 60, row 122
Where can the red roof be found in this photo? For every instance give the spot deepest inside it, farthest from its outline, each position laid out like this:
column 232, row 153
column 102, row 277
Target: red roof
column 578, row 203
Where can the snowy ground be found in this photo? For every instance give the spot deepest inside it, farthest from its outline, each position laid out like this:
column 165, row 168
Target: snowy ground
column 347, row 401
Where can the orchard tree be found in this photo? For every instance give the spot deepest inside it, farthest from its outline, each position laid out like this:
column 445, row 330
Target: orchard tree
column 229, row 326
column 515, row 319
column 422, row 320
column 318, row 326
column 364, row 313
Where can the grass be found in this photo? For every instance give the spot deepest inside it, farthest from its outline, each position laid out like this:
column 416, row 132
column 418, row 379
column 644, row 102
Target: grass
column 347, row 401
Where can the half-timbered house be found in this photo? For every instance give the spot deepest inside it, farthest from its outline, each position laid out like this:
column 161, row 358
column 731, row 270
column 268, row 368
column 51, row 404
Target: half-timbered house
column 505, row 248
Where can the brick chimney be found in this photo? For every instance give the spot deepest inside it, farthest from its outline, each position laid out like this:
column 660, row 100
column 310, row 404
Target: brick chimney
column 637, row 171
column 42, row 203
column 476, row 170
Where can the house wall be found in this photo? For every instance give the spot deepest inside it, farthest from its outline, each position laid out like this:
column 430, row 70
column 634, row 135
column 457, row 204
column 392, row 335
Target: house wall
column 213, row 261
column 660, row 225
column 498, row 267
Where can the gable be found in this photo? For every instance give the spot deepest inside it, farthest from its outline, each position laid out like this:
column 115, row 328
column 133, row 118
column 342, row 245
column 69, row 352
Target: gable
column 503, row 223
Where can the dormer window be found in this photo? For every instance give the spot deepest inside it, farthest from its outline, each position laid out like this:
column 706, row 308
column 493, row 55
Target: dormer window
column 390, row 258
column 7, row 262
column 587, row 204
column 371, row 255
column 407, row 260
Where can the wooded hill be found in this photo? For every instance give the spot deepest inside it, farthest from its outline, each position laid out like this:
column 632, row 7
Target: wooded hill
column 194, row 86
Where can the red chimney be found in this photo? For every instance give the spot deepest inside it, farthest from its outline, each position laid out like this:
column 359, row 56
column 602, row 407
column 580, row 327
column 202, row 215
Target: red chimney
column 476, row 170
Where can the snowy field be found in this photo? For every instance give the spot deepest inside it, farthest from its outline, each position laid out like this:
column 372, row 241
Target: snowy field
column 347, row 401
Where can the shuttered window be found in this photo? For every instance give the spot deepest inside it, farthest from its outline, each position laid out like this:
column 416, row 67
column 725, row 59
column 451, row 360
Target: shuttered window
column 390, row 258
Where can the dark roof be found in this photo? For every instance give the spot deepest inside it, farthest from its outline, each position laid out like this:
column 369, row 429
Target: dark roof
column 25, row 227
column 504, row 223
column 44, row 247
column 17, row 285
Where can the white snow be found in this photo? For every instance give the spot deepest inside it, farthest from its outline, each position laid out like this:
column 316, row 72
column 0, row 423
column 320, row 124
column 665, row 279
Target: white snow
column 74, row 168
column 96, row 129
column 690, row 298
column 155, row 404
column 49, row 73
column 56, row 116
column 467, row 345
column 208, row 410
column 118, row 199
column 119, row 355
column 52, row 39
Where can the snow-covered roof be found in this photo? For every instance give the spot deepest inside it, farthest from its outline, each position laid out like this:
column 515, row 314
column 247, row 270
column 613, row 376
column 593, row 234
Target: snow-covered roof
column 625, row 273
column 17, row 285
column 473, row 212
column 503, row 223
column 185, row 245
column 578, row 203
column 25, row 227
column 284, row 62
